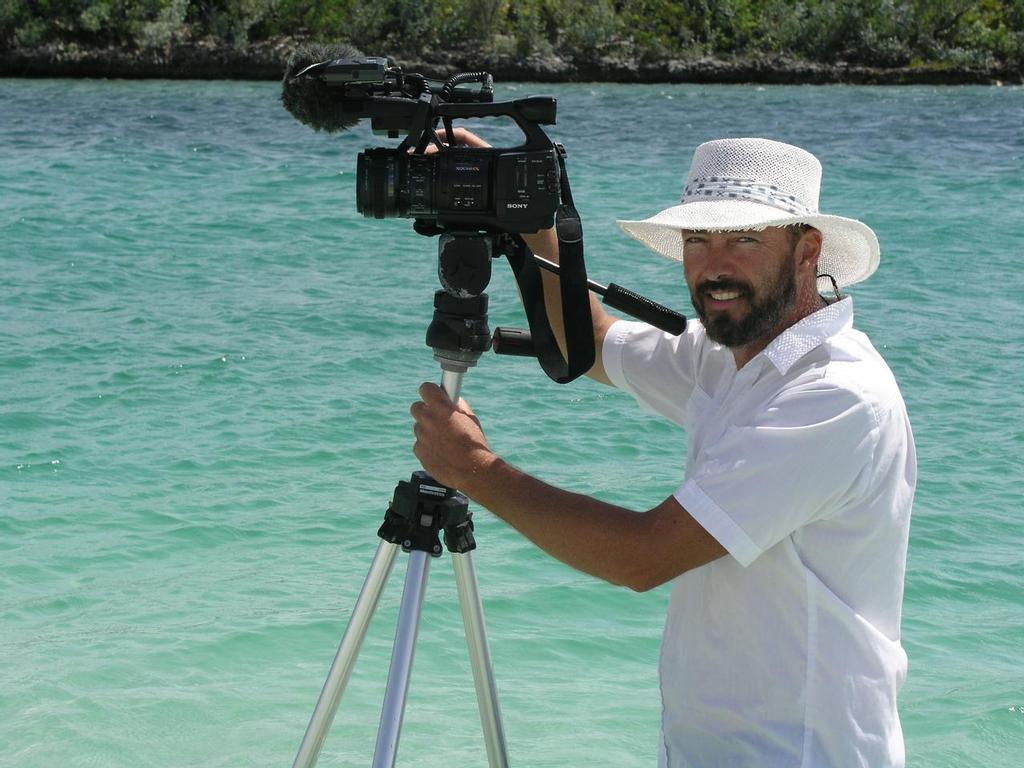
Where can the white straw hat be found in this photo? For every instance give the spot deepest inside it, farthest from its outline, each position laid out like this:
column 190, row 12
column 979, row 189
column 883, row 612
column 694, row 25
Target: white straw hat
column 741, row 184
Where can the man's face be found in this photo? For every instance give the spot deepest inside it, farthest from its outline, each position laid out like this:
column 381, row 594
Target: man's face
column 742, row 284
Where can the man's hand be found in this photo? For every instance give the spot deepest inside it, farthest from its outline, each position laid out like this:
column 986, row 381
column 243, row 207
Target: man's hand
column 449, row 441
column 460, row 138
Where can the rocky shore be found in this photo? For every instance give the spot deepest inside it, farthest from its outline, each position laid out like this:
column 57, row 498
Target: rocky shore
column 265, row 60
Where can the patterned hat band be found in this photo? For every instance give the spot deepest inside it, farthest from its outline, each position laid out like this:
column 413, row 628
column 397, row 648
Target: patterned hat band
column 724, row 188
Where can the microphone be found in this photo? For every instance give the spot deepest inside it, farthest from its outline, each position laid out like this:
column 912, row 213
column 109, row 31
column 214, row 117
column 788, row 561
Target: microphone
column 309, row 99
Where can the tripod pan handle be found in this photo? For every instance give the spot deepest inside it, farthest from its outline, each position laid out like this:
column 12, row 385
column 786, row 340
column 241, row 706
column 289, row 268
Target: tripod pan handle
column 513, row 341
column 644, row 309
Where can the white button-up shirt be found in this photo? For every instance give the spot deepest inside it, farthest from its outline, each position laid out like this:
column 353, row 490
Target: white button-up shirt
column 802, row 465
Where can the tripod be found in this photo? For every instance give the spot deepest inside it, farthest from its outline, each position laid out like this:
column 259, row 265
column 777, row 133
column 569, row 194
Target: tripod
column 420, row 509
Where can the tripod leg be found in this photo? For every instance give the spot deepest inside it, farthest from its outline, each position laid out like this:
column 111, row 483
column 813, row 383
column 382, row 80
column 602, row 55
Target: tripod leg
column 401, row 661
column 480, row 659
column 345, row 659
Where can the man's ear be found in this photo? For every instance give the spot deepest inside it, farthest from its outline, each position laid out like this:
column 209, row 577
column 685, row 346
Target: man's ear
column 809, row 250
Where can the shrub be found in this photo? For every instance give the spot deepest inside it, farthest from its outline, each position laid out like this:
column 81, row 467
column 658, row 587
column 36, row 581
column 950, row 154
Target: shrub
column 878, row 32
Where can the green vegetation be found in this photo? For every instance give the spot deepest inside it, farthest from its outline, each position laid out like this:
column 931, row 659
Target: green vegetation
column 886, row 33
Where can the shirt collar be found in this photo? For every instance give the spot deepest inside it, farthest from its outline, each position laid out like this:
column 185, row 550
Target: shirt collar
column 800, row 338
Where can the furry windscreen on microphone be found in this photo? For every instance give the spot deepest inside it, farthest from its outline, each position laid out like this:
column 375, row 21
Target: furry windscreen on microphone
column 310, row 100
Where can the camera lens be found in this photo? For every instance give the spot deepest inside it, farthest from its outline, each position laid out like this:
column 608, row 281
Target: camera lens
column 392, row 183
column 378, row 174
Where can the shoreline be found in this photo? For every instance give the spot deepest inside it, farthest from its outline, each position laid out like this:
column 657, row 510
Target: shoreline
column 265, row 60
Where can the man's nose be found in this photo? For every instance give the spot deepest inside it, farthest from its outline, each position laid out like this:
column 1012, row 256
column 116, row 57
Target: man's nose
column 720, row 261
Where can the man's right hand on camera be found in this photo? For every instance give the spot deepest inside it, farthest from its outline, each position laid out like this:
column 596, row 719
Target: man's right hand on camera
column 461, row 137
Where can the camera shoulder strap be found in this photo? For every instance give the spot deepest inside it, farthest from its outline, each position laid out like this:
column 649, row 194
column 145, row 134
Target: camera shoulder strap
column 576, row 317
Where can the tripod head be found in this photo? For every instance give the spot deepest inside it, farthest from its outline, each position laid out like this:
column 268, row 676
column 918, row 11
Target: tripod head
column 458, row 332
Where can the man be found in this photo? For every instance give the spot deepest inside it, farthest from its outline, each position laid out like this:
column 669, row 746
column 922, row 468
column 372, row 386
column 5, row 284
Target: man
column 786, row 541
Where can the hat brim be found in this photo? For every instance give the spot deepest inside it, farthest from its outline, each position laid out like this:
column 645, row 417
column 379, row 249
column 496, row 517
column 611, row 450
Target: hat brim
column 849, row 251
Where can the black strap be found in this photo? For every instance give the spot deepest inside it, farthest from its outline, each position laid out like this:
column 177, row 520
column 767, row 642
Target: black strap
column 576, row 317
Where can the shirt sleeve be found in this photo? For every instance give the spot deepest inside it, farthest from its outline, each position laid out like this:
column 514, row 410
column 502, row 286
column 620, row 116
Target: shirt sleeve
column 801, row 458
column 655, row 367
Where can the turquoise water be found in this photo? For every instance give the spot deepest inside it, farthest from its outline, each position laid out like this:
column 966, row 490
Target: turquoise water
column 206, row 360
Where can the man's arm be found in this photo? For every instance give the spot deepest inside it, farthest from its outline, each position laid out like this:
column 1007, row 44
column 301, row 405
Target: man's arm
column 640, row 550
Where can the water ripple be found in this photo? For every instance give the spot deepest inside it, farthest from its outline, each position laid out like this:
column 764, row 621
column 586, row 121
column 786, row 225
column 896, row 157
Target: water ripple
column 207, row 359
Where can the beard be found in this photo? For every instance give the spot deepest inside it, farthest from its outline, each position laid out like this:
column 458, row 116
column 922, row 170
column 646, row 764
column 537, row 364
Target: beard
column 768, row 307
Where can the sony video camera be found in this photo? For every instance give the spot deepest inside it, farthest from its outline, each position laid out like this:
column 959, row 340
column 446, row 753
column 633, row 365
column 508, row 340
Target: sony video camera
column 442, row 187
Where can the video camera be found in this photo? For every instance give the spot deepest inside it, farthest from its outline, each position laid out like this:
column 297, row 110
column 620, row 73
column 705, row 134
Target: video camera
column 442, row 187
